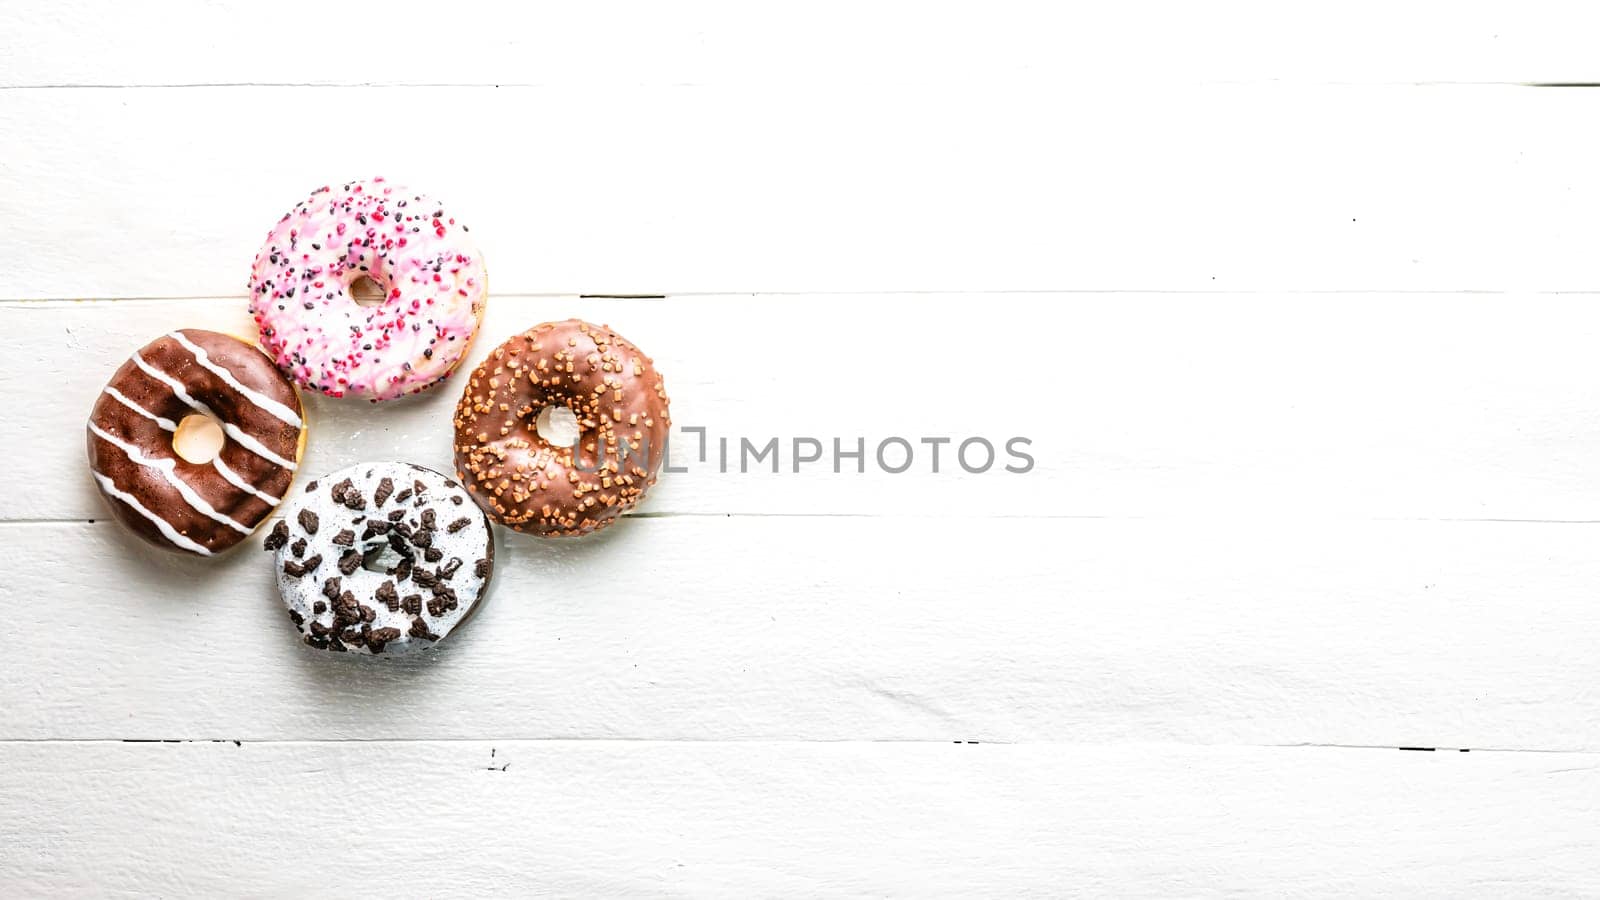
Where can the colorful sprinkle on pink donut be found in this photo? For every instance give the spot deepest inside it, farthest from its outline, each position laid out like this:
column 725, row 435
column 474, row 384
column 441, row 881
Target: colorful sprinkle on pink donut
column 430, row 271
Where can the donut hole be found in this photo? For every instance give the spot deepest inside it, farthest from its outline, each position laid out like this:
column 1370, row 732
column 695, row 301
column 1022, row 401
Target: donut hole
column 198, row 438
column 367, row 292
column 380, row 558
column 558, row 425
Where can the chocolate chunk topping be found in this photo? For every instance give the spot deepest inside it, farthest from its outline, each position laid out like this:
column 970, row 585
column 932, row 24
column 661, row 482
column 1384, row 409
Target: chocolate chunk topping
column 345, row 612
column 311, row 487
column 308, row 521
column 420, row 488
column 373, row 529
column 385, row 488
column 419, row 629
column 293, row 569
column 458, row 524
column 278, row 537
column 481, row 568
column 456, row 499
column 433, row 554
column 403, row 496
column 330, row 588
column 367, row 613
column 381, row 636
column 424, row 577
column 350, row 561
column 428, row 519
column 412, row 603
column 423, row 537
column 354, row 500
column 345, row 538
column 312, row 562
column 298, row 619
column 396, row 515
column 318, row 629
column 319, row 607
column 450, row 568
column 388, row 596
column 403, row 571
column 298, row 548
column 337, row 491
column 398, row 542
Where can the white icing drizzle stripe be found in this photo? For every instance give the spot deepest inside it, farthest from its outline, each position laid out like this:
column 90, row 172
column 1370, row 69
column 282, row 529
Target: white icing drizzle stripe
column 165, row 423
column 177, row 386
column 234, row 479
column 228, row 428
column 167, row 531
column 255, row 446
column 277, row 410
column 167, row 469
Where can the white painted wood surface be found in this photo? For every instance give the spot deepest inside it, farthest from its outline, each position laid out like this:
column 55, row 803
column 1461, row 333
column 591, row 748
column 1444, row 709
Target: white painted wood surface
column 1216, row 407
column 1296, row 307
column 603, row 818
column 833, row 43
column 656, row 189
column 1461, row 634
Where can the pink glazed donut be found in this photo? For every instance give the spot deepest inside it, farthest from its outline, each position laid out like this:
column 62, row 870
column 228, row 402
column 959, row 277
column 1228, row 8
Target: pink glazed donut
column 429, row 269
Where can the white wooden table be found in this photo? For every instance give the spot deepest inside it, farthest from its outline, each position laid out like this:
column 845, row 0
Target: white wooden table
column 1295, row 305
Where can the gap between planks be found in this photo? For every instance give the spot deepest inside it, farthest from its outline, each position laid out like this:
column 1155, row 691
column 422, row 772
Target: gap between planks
column 693, row 85
column 46, row 302
column 598, row 741
column 1037, row 517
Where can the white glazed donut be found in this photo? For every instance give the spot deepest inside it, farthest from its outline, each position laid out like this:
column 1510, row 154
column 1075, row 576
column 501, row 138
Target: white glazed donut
column 428, row 266
column 430, row 544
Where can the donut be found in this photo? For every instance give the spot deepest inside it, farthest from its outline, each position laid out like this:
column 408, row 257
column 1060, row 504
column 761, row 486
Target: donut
column 381, row 557
column 428, row 267
column 523, row 481
column 200, row 508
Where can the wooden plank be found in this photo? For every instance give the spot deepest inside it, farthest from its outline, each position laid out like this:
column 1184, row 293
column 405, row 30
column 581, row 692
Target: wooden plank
column 657, row 190
column 1273, row 516
column 645, row 819
column 828, row 43
column 1231, row 407
column 1474, row 635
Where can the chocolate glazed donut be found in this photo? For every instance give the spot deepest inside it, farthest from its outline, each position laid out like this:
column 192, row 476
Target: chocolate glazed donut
column 200, row 508
column 528, row 484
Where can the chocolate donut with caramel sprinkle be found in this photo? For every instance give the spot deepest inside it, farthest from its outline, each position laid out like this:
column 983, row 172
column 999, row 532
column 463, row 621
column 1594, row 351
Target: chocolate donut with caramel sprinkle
column 529, row 484
column 200, row 508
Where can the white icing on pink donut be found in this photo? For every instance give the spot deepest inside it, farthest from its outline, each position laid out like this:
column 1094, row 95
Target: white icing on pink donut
column 424, row 260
